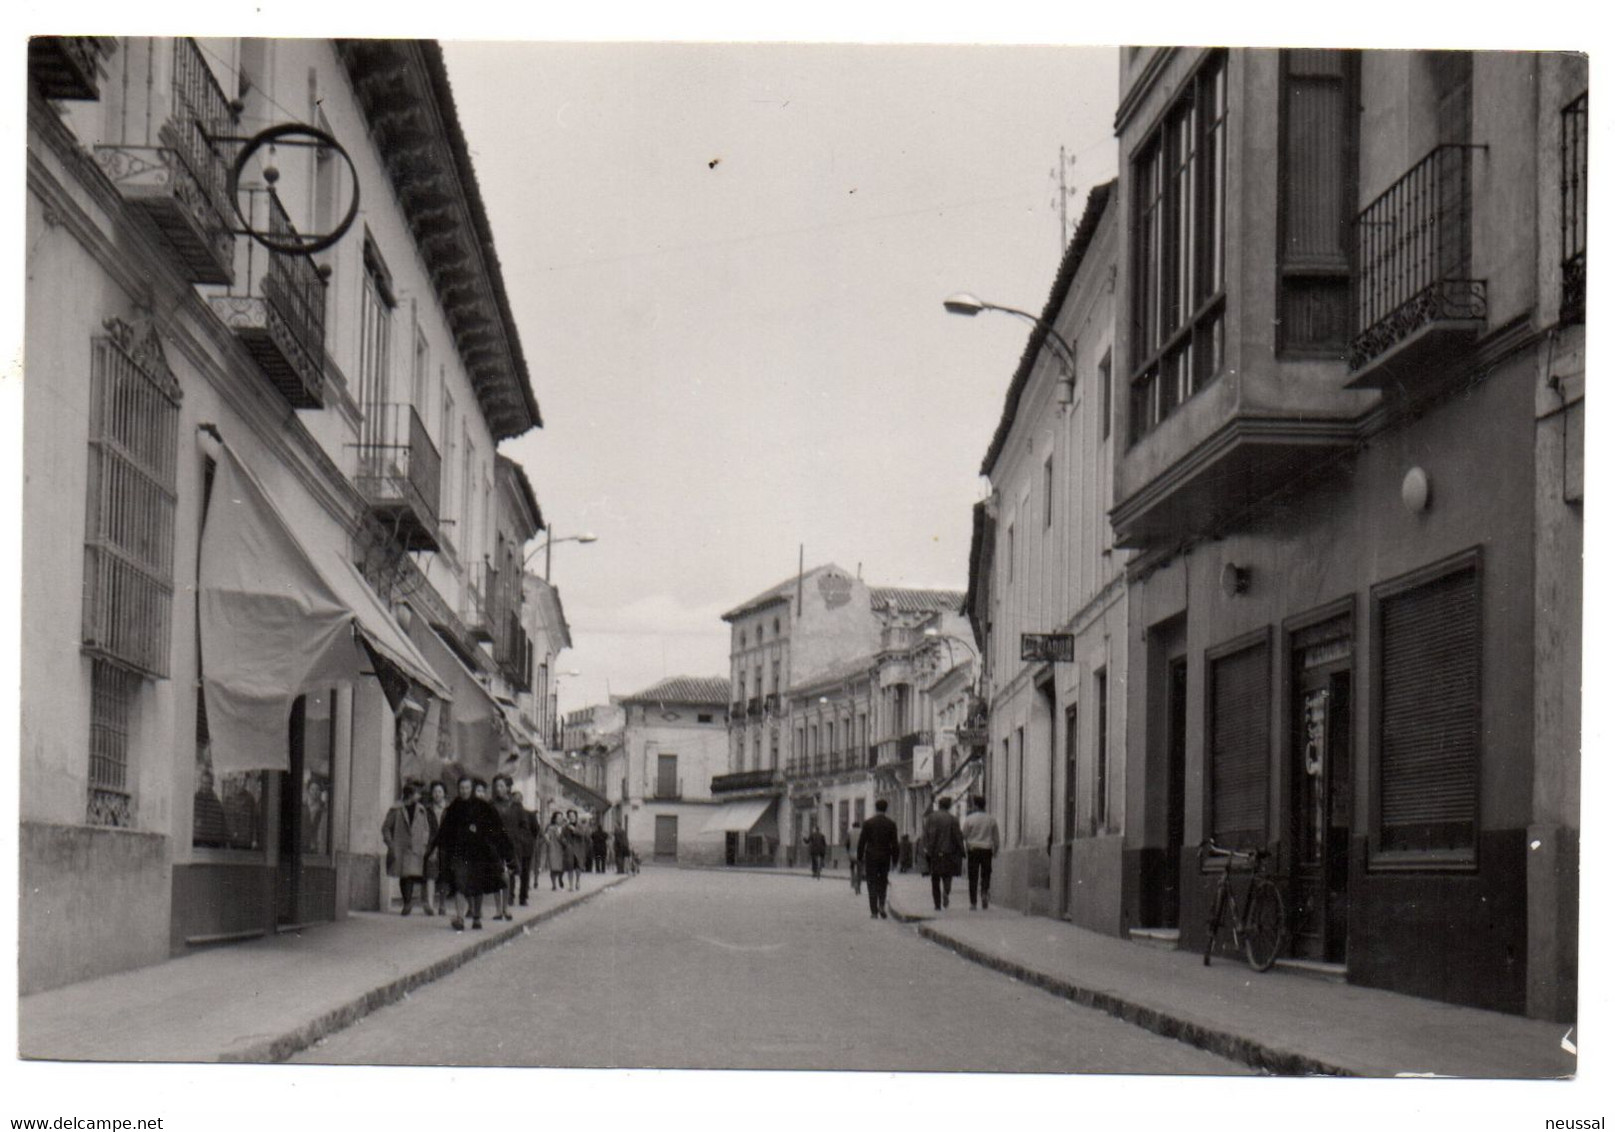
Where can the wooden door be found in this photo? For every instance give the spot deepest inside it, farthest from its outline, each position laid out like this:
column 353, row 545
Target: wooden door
column 667, row 837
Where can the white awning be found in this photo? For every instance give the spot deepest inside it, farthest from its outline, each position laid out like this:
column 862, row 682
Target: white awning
column 276, row 620
column 738, row 817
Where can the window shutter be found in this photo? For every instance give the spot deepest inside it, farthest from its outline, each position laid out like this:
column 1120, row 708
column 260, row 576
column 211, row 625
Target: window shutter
column 1239, row 748
column 1429, row 714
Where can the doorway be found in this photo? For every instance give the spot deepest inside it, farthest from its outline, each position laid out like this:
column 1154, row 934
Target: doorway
column 1177, row 753
column 1068, row 826
column 667, row 837
column 1320, row 795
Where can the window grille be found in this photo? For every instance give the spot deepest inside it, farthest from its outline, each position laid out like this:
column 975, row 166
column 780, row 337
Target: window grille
column 129, row 523
column 112, row 702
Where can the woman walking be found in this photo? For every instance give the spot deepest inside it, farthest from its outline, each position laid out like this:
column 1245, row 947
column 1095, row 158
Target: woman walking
column 438, row 869
column 555, row 851
column 475, row 846
column 577, row 848
column 407, row 832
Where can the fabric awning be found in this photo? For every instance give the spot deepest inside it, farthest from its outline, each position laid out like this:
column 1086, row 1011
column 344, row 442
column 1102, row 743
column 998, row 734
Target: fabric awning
column 738, row 817
column 476, row 722
column 275, row 620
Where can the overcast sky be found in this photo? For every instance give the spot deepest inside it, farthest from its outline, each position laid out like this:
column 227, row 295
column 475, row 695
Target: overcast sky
column 727, row 266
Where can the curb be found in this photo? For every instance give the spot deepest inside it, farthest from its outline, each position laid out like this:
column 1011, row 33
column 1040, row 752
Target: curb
column 285, row 1045
column 1224, row 1043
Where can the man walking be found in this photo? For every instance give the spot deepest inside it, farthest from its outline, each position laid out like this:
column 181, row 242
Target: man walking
column 816, row 846
column 876, row 853
column 944, row 849
column 981, row 841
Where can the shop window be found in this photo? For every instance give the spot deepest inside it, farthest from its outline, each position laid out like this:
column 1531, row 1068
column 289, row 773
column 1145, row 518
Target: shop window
column 1239, row 748
column 319, row 744
column 227, row 811
column 1427, row 781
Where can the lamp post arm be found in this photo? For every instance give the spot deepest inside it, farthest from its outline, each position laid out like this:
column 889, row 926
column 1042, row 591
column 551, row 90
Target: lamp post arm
column 1067, row 356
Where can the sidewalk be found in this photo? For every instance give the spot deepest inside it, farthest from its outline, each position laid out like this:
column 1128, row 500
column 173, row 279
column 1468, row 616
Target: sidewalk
column 266, row 999
column 1280, row 1022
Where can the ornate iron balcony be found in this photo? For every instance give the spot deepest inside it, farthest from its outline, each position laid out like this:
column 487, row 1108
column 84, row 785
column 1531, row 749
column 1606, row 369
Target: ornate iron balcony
column 1412, row 247
column 400, row 474
column 474, row 601
column 744, row 780
column 280, row 314
column 166, row 163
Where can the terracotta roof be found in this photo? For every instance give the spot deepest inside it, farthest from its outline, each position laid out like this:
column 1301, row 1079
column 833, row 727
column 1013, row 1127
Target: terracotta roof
column 1087, row 227
column 781, row 592
column 683, row 690
column 901, row 600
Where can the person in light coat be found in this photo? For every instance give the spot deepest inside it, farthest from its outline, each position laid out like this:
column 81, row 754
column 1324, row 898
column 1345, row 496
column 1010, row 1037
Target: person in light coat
column 408, row 830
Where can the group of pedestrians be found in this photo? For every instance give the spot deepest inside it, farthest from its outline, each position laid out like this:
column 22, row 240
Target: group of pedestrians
column 478, row 845
column 948, row 847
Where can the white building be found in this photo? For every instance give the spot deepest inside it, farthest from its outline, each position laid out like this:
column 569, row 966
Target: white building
column 259, row 481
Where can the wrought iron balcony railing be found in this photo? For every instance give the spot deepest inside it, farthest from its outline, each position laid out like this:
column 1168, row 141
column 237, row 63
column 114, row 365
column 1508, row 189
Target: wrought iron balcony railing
column 1573, row 211
column 279, row 314
column 754, row 706
column 513, row 651
column 400, row 474
column 744, row 780
column 165, row 161
column 667, row 792
column 1413, row 254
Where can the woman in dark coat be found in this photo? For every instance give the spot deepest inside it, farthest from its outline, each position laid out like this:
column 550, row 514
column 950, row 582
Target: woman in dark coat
column 475, row 847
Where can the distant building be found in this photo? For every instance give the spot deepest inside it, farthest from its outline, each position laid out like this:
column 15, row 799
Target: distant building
column 808, row 714
column 672, row 744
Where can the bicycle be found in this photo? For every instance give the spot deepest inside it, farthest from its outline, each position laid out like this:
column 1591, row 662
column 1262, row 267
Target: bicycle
column 1258, row 924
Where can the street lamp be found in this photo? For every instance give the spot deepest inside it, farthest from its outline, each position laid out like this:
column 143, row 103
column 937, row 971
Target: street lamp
column 549, row 541
column 967, row 304
column 555, row 710
column 935, row 634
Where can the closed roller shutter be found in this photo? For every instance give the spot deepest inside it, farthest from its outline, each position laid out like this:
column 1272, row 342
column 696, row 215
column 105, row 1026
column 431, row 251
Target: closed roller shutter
column 1239, row 748
column 1429, row 721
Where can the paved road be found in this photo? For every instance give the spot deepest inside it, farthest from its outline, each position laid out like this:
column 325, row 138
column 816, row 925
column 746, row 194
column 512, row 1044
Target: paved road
column 696, row 969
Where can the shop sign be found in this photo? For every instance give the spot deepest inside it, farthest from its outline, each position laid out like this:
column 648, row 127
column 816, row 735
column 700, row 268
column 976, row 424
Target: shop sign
column 1048, row 647
column 924, row 761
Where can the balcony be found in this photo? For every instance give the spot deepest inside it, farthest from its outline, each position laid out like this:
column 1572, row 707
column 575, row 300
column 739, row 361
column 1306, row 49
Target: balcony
column 771, row 702
column 745, row 780
column 669, row 791
column 280, row 314
column 754, row 706
column 400, row 475
column 166, row 163
column 65, row 66
column 1414, row 309
column 737, row 710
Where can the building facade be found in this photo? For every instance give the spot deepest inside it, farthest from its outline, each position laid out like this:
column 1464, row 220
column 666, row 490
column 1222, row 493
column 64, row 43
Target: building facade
column 673, row 742
column 1053, row 773
column 238, row 504
column 1347, row 465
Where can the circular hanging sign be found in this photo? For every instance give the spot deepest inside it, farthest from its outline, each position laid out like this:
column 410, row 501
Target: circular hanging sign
column 295, row 243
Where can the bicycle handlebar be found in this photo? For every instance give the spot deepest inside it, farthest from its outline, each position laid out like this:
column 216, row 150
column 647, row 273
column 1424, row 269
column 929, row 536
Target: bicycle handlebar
column 1209, row 848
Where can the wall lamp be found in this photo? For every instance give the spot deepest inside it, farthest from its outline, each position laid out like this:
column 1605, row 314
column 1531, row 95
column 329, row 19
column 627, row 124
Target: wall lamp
column 967, row 304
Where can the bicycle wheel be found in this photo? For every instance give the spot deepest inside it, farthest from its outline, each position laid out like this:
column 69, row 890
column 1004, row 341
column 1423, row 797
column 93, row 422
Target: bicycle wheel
column 1214, row 925
column 1264, row 924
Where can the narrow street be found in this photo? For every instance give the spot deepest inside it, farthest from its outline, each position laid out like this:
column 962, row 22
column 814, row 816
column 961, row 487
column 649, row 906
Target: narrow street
column 668, row 971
